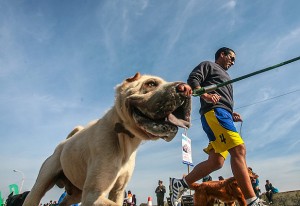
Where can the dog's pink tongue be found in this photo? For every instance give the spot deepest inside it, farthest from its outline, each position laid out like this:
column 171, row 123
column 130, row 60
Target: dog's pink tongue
column 178, row 122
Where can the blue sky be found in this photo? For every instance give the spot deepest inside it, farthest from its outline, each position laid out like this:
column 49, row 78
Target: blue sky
column 60, row 62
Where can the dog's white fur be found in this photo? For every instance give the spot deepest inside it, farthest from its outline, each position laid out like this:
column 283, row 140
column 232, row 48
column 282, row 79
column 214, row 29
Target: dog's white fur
column 95, row 162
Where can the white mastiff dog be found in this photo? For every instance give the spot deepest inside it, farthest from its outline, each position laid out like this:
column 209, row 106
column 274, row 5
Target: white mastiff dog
column 95, row 162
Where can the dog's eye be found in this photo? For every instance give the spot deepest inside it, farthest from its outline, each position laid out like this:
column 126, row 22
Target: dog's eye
column 151, row 84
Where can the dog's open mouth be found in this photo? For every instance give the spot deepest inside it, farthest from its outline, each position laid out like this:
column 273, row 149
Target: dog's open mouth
column 167, row 126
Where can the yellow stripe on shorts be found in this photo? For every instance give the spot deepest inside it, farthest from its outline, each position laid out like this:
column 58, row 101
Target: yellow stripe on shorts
column 225, row 139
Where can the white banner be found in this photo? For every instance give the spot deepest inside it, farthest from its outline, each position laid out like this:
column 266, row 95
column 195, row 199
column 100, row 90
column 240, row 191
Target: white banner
column 186, row 150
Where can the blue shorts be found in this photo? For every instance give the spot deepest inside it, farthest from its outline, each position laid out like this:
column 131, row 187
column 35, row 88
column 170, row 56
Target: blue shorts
column 222, row 134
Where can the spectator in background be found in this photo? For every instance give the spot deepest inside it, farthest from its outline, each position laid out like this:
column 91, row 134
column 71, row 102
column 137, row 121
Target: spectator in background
column 207, row 178
column 129, row 198
column 270, row 190
column 52, row 203
column 133, row 200
column 255, row 184
column 160, row 193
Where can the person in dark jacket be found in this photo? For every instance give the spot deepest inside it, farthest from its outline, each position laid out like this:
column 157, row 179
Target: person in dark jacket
column 160, row 193
column 269, row 191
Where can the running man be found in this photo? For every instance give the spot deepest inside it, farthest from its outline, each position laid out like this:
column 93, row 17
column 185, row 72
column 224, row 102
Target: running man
column 218, row 119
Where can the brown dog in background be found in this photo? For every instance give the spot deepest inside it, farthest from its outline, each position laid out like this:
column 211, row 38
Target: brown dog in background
column 226, row 190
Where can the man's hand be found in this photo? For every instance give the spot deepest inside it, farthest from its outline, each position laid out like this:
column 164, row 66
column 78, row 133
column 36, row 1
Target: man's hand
column 186, row 89
column 212, row 98
column 237, row 117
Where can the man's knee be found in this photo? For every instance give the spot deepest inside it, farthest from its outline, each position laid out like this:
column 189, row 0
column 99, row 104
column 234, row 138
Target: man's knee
column 238, row 151
column 218, row 164
column 216, row 160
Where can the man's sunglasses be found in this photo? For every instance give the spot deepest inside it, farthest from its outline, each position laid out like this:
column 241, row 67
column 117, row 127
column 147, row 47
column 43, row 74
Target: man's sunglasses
column 232, row 59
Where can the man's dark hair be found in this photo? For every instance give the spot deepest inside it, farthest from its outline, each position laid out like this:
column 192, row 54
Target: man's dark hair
column 223, row 49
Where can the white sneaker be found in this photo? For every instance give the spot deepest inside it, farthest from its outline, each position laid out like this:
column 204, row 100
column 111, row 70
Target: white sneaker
column 177, row 189
column 257, row 202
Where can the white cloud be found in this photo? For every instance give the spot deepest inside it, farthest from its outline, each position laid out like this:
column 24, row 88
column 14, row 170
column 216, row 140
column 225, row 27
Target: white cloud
column 230, row 5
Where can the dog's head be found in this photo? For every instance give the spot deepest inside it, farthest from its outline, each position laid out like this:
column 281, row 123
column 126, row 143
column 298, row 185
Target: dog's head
column 152, row 108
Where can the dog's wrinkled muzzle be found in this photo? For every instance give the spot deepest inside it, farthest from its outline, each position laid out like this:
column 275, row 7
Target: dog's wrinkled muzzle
column 162, row 111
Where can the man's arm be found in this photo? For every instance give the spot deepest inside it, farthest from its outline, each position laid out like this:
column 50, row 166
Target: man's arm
column 213, row 98
column 164, row 189
column 268, row 188
column 197, row 76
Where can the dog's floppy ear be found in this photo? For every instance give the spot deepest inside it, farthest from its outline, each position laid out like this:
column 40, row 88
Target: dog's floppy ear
column 134, row 78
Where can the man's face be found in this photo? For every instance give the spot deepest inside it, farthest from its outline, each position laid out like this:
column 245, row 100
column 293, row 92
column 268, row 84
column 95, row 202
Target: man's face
column 226, row 61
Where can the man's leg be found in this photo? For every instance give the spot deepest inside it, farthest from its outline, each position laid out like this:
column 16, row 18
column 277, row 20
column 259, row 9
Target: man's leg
column 161, row 202
column 177, row 186
column 240, row 170
column 268, row 196
column 214, row 162
column 271, row 197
